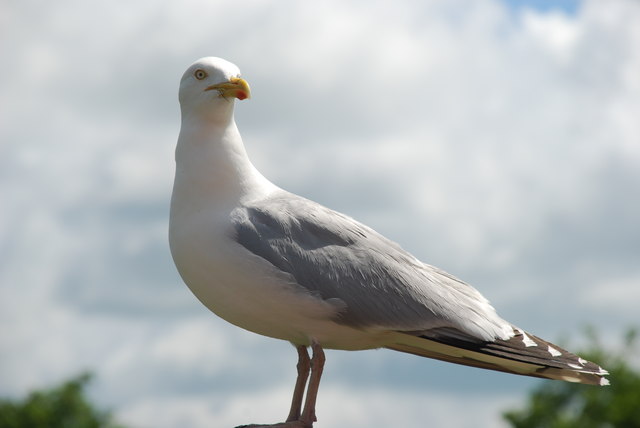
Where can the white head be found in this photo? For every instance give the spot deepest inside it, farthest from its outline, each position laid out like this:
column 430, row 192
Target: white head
column 209, row 87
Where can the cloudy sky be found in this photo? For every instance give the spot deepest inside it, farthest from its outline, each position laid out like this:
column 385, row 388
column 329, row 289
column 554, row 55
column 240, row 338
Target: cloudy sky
column 498, row 140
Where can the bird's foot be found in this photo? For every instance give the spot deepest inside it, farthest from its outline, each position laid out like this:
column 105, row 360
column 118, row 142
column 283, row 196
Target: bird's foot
column 291, row 424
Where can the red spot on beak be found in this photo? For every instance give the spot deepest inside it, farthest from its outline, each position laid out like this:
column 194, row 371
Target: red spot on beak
column 241, row 95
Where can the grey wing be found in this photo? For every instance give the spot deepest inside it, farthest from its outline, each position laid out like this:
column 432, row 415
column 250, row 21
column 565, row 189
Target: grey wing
column 380, row 284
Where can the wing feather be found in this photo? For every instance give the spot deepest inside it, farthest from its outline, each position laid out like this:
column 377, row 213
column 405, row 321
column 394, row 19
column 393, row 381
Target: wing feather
column 523, row 354
column 381, row 285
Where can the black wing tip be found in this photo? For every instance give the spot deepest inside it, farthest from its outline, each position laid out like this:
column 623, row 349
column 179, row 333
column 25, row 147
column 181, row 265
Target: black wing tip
column 574, row 376
column 557, row 363
column 524, row 354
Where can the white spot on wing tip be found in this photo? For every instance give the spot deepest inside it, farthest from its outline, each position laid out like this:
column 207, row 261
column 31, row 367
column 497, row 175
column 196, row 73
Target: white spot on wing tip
column 554, row 352
column 582, row 361
column 604, row 381
column 526, row 339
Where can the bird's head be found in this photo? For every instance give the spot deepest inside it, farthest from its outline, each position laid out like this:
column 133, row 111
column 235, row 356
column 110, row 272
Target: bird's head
column 211, row 84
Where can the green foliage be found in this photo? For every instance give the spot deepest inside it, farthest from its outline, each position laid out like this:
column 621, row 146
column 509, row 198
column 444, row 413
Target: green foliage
column 556, row 404
column 63, row 406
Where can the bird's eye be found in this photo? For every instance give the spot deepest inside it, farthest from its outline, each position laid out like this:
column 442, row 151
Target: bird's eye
column 200, row 74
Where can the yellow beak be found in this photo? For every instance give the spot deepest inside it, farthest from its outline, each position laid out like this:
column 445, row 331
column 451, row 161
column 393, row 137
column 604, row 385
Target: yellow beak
column 235, row 87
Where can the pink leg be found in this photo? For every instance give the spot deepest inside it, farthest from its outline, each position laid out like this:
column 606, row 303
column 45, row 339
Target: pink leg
column 303, row 366
column 308, row 416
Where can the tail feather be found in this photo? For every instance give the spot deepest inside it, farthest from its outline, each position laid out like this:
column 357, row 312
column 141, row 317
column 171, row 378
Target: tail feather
column 523, row 354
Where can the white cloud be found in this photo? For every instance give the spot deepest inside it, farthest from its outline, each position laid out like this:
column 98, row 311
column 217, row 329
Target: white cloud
column 556, row 32
column 621, row 293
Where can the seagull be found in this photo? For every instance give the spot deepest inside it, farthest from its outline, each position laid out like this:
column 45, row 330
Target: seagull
column 282, row 266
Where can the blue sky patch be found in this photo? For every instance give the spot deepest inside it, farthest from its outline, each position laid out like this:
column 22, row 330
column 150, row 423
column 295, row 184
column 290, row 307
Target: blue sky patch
column 570, row 7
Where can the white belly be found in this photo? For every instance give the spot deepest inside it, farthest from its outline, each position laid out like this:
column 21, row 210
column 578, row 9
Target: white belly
column 249, row 292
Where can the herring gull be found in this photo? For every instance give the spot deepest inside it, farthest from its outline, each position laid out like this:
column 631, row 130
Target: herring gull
column 283, row 266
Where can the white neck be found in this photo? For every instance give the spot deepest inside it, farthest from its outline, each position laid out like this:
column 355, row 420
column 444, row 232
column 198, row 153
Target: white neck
column 212, row 166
